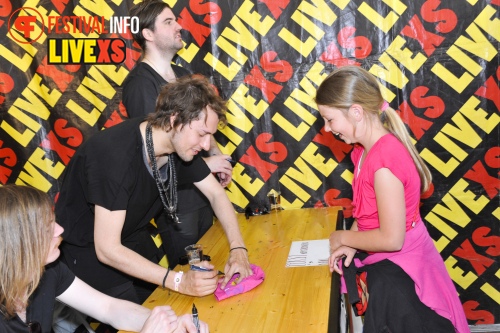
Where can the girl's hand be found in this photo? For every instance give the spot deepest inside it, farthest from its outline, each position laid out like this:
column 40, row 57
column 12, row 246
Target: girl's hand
column 162, row 320
column 186, row 325
column 335, row 242
column 342, row 252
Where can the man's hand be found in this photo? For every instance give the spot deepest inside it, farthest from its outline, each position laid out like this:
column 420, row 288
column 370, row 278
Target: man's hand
column 195, row 283
column 237, row 263
column 220, row 165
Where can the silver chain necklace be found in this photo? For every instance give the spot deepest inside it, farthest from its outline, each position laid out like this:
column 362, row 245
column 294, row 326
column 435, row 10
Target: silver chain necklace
column 168, row 195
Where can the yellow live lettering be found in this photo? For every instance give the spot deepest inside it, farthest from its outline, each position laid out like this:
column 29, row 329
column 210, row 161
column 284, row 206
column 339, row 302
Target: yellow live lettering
column 240, row 36
column 248, row 102
column 479, row 116
column 319, row 10
column 298, row 109
column 468, row 198
column 383, row 23
column 31, row 176
column 405, row 56
column 464, row 60
column 450, row 146
column 51, row 54
column 237, row 118
column 294, row 188
column 318, row 161
column 114, row 72
column 91, row 97
column 188, row 52
column 303, row 174
column 32, row 126
column 231, row 50
column 479, row 45
column 296, row 132
column 392, row 73
column 307, row 25
column 89, row 117
column 457, row 274
column 79, row 11
column 250, row 185
column 445, row 168
column 348, row 176
column 95, row 81
column 296, row 204
column 455, row 82
column 304, row 48
column 440, row 225
column 40, row 160
column 236, row 196
column 341, row 3
column 23, row 62
column 228, row 72
column 452, row 211
column 463, row 132
column 98, row 7
column 488, row 21
column 491, row 291
column 76, row 49
column 235, row 140
column 89, row 51
column 254, row 19
column 314, row 74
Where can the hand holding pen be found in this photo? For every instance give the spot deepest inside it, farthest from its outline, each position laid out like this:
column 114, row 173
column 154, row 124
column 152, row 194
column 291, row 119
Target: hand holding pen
column 204, row 269
column 222, row 166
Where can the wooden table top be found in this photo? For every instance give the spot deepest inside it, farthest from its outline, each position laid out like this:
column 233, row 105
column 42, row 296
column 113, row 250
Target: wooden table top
column 291, row 299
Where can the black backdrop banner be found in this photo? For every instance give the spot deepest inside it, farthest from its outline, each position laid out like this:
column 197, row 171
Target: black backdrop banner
column 62, row 64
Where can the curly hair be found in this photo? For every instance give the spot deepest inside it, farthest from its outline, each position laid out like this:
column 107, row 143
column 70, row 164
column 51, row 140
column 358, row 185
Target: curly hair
column 185, row 99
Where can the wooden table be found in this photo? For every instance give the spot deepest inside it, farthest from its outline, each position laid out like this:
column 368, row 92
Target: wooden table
column 295, row 299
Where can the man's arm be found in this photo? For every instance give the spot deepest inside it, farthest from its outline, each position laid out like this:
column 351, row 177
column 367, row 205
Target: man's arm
column 223, row 209
column 110, row 251
column 219, row 163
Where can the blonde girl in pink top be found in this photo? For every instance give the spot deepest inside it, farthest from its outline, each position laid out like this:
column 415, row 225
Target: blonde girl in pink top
column 409, row 287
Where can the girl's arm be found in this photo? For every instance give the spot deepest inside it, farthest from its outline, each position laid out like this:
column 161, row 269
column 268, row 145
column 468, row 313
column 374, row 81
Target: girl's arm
column 120, row 314
column 391, row 207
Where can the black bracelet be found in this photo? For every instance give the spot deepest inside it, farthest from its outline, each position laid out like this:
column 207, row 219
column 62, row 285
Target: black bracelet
column 239, row 247
column 165, row 278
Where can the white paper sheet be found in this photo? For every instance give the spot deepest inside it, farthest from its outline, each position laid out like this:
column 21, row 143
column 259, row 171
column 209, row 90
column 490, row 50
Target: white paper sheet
column 309, row 253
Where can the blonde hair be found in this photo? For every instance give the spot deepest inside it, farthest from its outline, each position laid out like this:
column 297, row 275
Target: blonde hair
column 25, row 225
column 353, row 85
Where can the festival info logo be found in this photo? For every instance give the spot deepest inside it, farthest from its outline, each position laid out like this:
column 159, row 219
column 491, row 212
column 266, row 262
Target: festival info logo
column 27, row 25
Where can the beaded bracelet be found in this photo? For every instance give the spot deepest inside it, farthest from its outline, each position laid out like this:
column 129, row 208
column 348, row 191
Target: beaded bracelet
column 165, row 278
column 239, row 247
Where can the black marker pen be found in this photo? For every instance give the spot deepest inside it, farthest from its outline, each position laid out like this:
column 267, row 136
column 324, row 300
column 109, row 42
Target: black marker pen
column 196, row 321
column 203, row 269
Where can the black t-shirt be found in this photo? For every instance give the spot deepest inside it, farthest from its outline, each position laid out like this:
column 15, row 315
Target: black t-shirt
column 140, row 90
column 109, row 170
column 55, row 280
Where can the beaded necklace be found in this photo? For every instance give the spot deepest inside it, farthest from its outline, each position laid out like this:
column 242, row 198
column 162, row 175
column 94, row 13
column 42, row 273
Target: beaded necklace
column 168, row 195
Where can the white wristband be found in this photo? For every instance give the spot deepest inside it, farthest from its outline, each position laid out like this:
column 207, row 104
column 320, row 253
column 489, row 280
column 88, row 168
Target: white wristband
column 177, row 280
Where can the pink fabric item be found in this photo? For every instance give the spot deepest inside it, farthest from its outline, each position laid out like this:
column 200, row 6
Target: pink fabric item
column 245, row 285
column 420, row 259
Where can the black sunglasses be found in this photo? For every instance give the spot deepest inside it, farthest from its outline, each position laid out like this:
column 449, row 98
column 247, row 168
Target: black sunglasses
column 35, row 327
